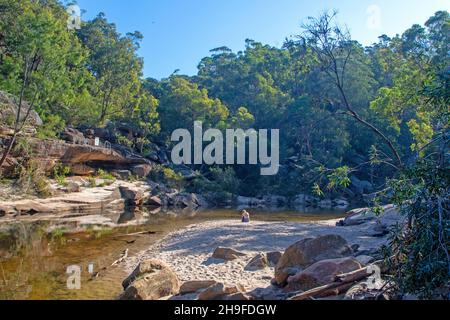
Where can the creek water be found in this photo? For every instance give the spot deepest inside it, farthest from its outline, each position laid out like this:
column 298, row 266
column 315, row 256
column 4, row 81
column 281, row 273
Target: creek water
column 33, row 263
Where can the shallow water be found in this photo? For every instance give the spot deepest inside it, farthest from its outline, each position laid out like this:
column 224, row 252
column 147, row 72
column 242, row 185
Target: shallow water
column 36, row 268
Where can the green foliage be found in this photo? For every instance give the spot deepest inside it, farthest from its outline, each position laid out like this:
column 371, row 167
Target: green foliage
column 53, row 125
column 32, row 179
column 168, row 176
column 60, row 172
column 220, row 185
column 422, row 262
column 107, row 176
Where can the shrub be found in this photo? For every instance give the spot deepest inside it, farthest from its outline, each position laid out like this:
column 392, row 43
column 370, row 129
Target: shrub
column 421, row 260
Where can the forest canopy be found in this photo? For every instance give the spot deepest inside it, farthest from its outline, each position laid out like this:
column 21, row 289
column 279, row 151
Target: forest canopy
column 342, row 109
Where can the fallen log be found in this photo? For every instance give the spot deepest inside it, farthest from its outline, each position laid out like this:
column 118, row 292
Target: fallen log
column 135, row 234
column 341, row 283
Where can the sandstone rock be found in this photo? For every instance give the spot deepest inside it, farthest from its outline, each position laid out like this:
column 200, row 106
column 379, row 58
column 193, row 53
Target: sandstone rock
column 194, row 286
column 258, row 262
column 227, row 254
column 132, row 196
column 183, row 200
column 308, row 251
column 240, row 296
column 122, row 174
column 321, row 273
column 141, row 170
column 273, row 257
column 364, row 259
column 151, row 280
column 73, row 136
column 73, row 187
column 154, row 201
column 8, row 110
column 219, row 291
column 80, row 169
column 358, row 216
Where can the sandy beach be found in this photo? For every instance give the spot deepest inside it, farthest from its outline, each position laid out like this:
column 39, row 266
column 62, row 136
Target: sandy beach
column 188, row 251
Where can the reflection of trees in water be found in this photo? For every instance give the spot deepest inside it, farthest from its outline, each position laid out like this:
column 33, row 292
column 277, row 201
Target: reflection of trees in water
column 22, row 247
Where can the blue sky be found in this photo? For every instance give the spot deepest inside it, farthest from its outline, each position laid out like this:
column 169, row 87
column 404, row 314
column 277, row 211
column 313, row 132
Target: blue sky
column 178, row 33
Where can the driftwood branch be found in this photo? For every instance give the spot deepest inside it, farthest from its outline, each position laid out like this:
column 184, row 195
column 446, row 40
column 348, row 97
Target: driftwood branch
column 341, row 283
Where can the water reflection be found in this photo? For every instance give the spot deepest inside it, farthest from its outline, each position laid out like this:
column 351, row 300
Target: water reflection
column 34, row 256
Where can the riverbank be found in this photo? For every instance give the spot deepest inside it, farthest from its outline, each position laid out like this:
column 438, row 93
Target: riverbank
column 189, row 251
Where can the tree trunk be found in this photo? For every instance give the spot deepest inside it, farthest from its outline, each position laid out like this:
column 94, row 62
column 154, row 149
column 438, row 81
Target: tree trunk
column 8, row 150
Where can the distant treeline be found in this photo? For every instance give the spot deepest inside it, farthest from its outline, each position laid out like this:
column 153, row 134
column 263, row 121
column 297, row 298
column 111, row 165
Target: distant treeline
column 342, row 109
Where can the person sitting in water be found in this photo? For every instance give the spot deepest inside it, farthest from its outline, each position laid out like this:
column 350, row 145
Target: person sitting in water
column 245, row 216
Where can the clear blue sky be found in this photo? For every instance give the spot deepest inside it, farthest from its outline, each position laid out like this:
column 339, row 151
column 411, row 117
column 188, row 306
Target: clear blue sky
column 178, row 33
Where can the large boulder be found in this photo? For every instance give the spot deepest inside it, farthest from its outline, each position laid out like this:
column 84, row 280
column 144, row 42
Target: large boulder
column 151, row 280
column 321, row 273
column 389, row 216
column 184, row 200
column 227, row 254
column 308, row 251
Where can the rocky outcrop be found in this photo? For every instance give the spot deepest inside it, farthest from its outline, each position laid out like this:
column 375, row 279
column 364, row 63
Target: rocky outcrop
column 8, row 111
column 79, row 201
column 321, row 273
column 84, row 158
column 308, row 251
column 133, row 195
column 151, row 280
column 227, row 254
column 141, row 170
column 183, row 200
